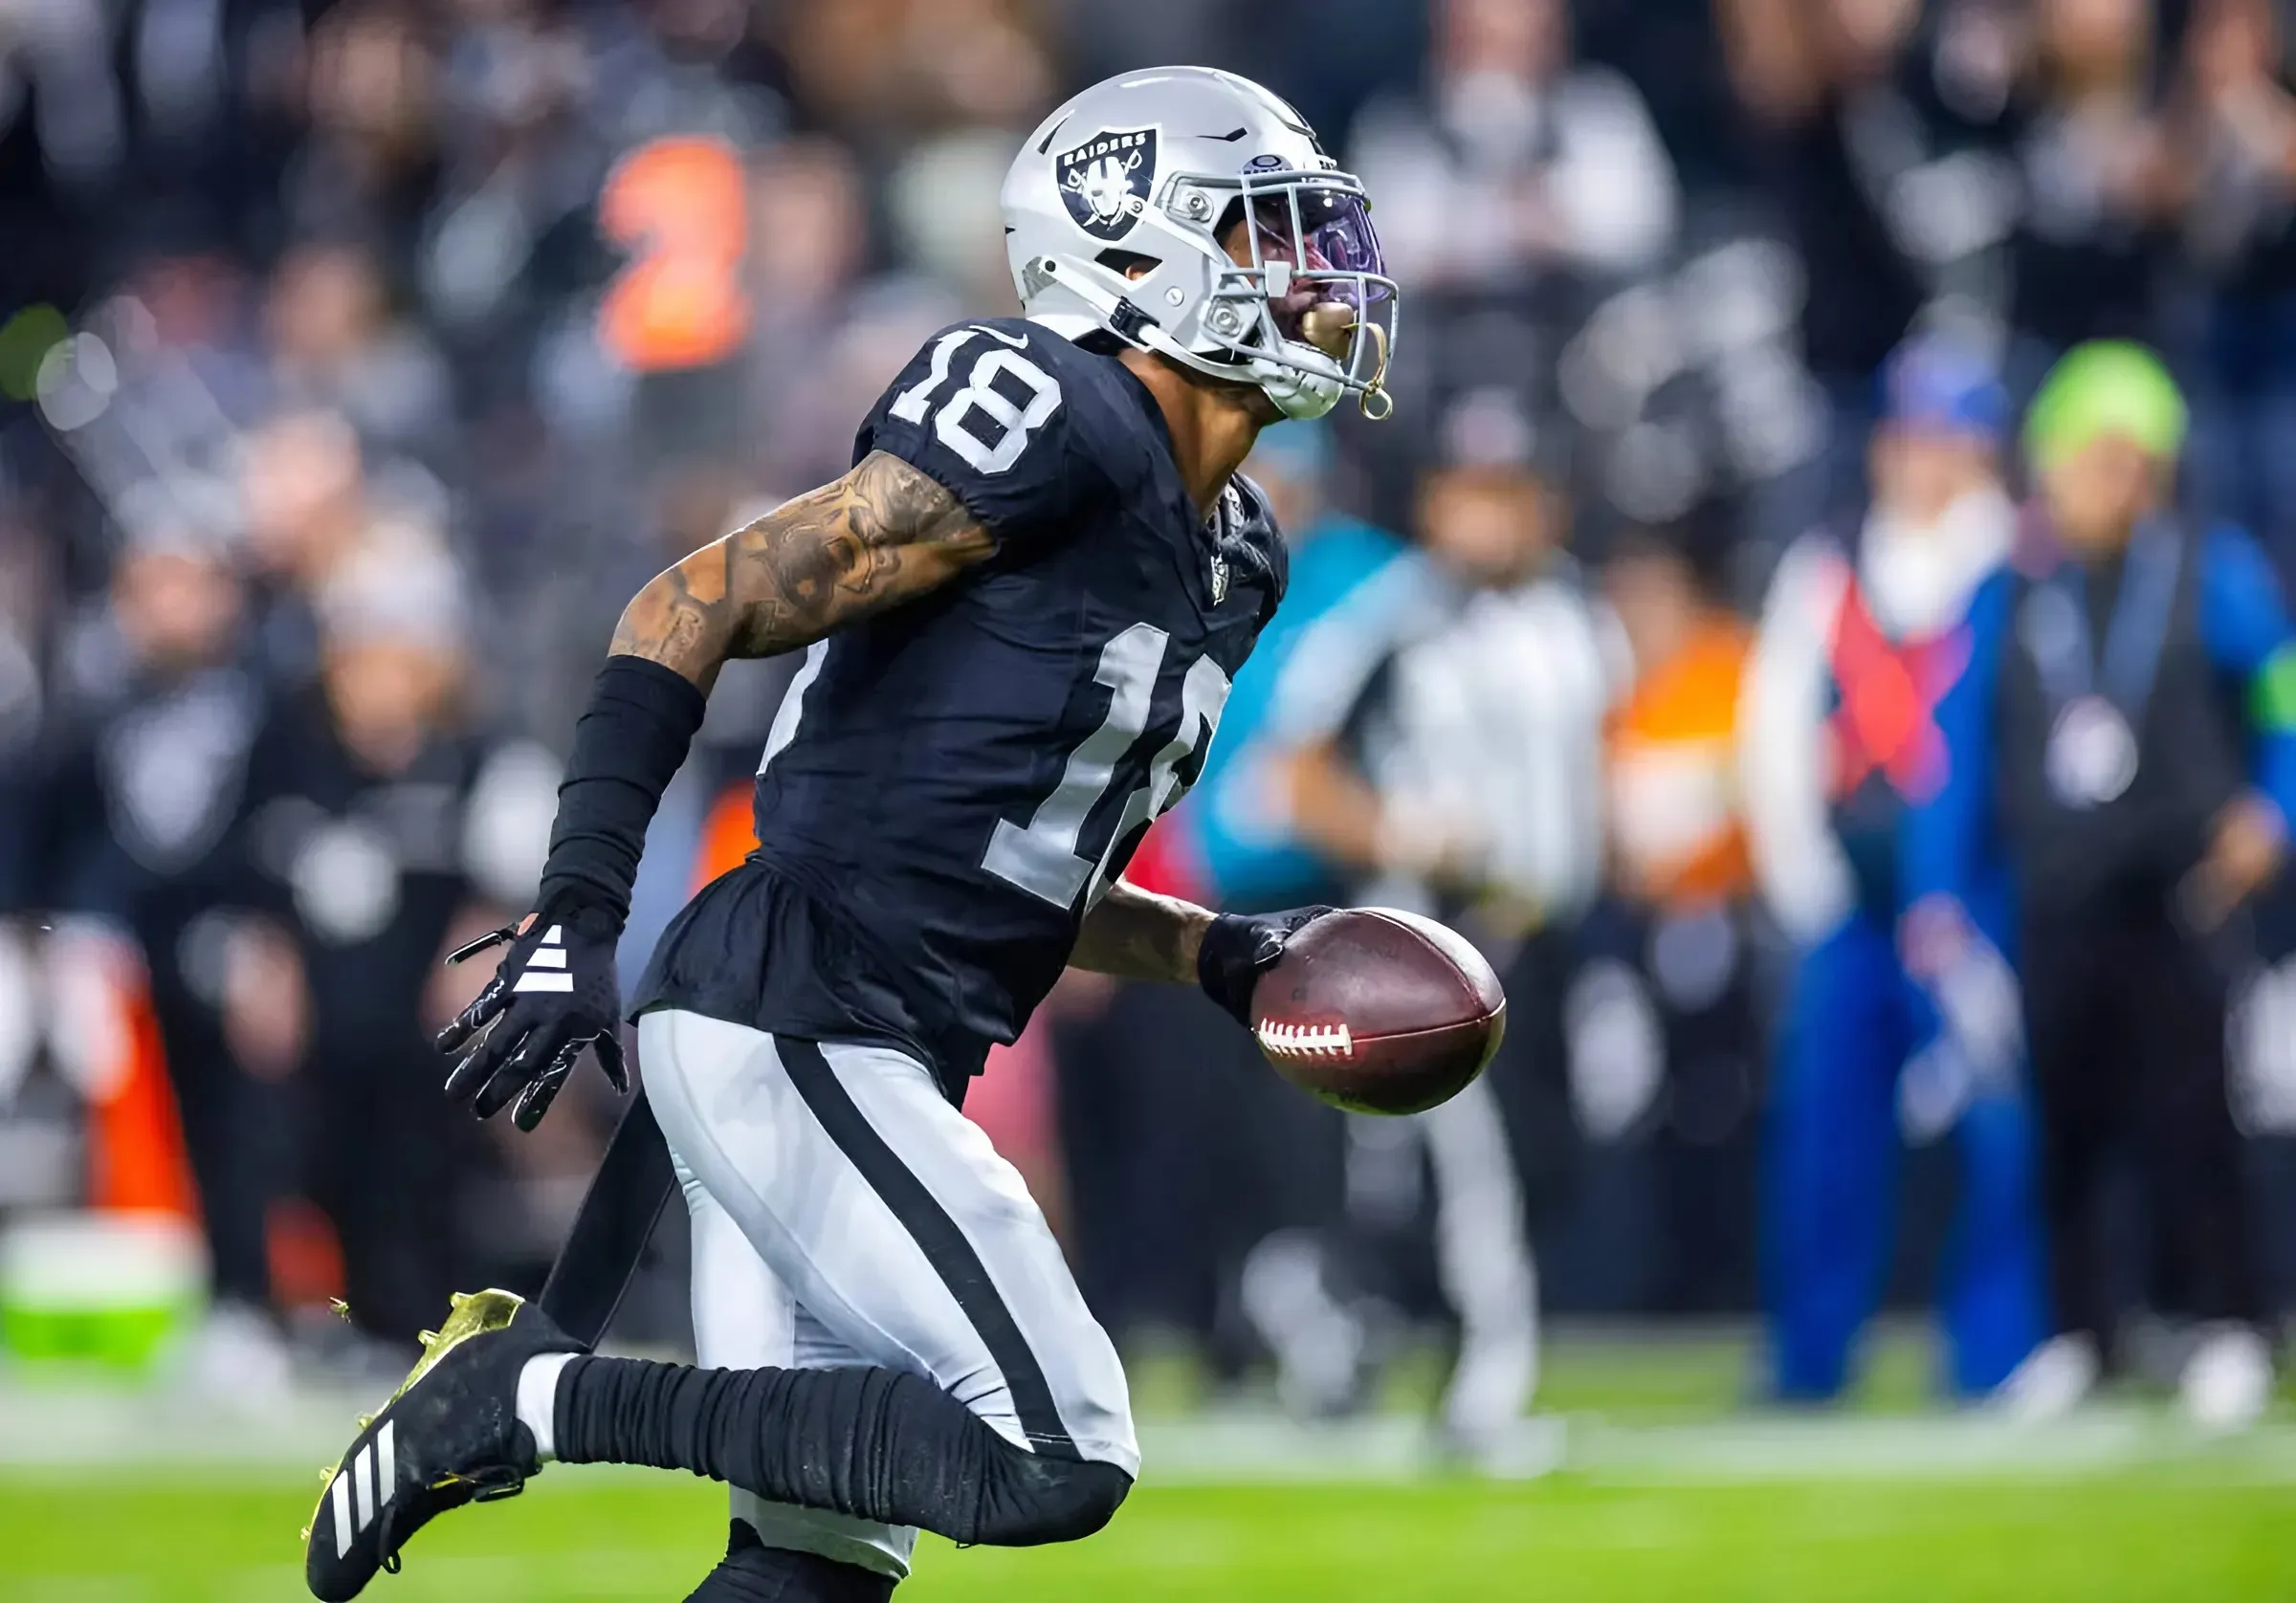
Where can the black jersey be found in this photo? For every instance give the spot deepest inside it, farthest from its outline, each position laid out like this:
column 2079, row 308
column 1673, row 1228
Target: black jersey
column 950, row 785
column 368, row 868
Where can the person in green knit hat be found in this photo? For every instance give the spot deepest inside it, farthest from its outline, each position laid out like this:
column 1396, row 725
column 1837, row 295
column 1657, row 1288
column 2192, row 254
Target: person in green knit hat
column 2124, row 739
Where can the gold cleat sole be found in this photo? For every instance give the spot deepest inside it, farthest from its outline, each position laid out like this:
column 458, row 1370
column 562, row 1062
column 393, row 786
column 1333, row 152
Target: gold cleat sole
column 469, row 1313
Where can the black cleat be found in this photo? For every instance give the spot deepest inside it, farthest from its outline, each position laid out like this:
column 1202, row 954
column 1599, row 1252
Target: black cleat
column 449, row 1436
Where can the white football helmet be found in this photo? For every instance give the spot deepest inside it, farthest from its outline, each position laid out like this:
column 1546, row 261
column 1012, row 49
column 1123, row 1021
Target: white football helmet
column 1115, row 208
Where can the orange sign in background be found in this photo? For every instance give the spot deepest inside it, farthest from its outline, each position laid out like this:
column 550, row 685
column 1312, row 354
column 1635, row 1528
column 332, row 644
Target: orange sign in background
column 681, row 207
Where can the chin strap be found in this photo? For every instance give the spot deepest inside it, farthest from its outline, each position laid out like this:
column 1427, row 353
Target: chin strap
column 1376, row 389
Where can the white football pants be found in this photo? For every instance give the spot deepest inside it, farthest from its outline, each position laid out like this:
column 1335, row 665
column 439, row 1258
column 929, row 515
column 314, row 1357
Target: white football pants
column 845, row 1214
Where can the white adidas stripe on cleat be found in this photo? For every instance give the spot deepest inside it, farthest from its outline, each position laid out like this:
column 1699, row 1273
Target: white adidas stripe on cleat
column 344, row 1530
column 365, row 1488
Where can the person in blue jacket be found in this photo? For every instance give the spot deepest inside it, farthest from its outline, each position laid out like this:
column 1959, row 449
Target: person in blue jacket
column 1861, row 634
column 2124, row 738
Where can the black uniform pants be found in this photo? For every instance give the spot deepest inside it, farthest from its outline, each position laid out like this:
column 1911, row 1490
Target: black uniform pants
column 231, row 1132
column 2125, row 1021
column 381, row 1168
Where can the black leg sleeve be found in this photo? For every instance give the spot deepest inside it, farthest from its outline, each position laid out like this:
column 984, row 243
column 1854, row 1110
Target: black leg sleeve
column 875, row 1444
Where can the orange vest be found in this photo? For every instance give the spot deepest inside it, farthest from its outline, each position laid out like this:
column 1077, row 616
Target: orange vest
column 1673, row 790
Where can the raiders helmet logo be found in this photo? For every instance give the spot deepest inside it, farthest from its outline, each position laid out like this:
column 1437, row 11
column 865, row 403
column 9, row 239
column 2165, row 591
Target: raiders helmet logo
column 1105, row 182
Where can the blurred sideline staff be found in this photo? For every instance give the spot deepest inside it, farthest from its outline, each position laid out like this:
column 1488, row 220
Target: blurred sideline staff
column 144, row 780
column 1661, row 1013
column 1441, row 744
column 1861, row 636
column 382, row 827
column 2127, row 734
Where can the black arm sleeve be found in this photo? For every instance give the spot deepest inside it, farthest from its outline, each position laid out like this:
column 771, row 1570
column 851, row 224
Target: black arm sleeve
column 627, row 747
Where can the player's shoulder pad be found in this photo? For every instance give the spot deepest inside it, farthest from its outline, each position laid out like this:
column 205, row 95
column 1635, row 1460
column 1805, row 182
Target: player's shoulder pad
column 1009, row 416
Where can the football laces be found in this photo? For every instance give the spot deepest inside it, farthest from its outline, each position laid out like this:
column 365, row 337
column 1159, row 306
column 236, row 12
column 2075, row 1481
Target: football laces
column 1305, row 1041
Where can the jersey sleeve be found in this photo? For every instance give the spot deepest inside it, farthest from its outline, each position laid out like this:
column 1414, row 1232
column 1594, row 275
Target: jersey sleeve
column 991, row 410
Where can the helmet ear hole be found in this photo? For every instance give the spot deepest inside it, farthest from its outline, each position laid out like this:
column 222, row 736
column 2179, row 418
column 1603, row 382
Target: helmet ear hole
column 1132, row 264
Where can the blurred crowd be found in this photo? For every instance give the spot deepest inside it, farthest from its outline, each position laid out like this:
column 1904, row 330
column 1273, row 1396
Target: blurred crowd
column 358, row 358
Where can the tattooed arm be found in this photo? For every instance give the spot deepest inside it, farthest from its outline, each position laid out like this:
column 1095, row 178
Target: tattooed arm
column 882, row 534
column 1137, row 934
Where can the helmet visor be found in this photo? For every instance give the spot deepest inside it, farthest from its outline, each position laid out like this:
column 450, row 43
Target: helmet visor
column 1318, row 230
column 1318, row 257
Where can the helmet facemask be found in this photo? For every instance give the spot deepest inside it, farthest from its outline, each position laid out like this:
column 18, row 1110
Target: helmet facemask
column 1310, row 314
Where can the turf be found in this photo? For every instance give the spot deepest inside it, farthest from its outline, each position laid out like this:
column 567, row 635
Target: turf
column 2150, row 1536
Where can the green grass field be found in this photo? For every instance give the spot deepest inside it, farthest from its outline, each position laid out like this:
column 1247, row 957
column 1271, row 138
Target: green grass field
column 2147, row 1538
column 1668, row 1494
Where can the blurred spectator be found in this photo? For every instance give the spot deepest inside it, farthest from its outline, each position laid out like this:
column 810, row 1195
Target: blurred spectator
column 879, row 69
column 334, row 346
column 1804, row 69
column 367, row 167
column 1672, row 772
column 303, row 495
column 384, row 828
column 1861, row 637
column 2121, row 739
column 1676, row 945
column 2237, row 126
column 1515, row 161
column 808, row 244
column 2097, row 180
column 23, row 711
column 140, row 798
column 307, row 499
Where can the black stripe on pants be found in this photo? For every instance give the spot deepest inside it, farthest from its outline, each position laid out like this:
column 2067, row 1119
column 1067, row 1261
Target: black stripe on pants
column 945, row 1245
column 2125, row 1024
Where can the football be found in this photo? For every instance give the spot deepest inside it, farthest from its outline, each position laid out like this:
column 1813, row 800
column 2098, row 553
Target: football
column 1379, row 1011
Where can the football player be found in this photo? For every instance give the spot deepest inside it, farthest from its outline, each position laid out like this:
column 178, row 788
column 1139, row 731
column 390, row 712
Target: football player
column 1021, row 612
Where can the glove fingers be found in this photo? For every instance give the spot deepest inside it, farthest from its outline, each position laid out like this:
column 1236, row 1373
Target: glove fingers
column 610, row 1061
column 543, row 1089
column 495, row 1094
column 465, row 1078
column 485, row 1059
column 1276, row 933
column 543, row 1042
column 483, row 1010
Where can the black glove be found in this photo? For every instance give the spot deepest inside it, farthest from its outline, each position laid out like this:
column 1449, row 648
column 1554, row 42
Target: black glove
column 1238, row 948
column 554, row 994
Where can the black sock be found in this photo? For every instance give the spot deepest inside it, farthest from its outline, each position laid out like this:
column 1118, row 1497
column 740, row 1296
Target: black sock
column 871, row 1442
column 751, row 1572
column 876, row 1443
